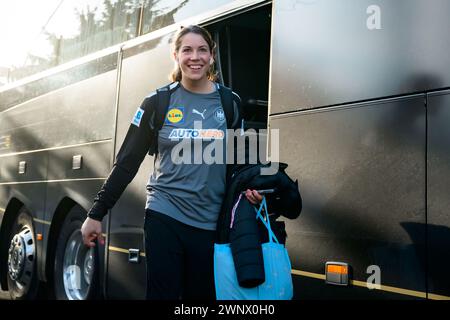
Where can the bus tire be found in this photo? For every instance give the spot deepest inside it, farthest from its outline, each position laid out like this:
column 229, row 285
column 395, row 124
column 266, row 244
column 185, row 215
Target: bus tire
column 23, row 282
column 76, row 266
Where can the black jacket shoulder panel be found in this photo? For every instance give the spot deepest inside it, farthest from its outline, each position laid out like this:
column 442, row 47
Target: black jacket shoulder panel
column 149, row 105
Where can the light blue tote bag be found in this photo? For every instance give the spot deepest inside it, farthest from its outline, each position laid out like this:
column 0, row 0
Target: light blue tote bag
column 277, row 269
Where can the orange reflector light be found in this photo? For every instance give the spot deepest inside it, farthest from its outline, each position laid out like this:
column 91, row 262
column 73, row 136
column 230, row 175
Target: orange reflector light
column 337, row 273
column 337, row 269
column 39, row 237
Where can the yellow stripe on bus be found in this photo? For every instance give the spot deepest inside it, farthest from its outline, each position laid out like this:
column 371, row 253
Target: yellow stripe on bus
column 42, row 221
column 363, row 284
column 437, row 297
column 308, row 274
column 142, row 254
column 118, row 249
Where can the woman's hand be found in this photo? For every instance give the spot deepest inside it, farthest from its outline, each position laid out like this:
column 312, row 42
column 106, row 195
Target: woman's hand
column 253, row 196
column 91, row 230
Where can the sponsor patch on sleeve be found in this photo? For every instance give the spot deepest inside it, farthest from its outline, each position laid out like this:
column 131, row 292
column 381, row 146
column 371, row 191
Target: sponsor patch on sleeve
column 137, row 117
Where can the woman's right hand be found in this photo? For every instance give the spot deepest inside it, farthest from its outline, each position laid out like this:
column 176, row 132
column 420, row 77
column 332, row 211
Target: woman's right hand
column 91, row 230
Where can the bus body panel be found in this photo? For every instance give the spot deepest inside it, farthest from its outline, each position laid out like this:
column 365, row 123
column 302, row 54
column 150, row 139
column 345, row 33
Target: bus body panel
column 92, row 116
column 361, row 172
column 46, row 132
column 353, row 50
column 385, row 168
column 438, row 186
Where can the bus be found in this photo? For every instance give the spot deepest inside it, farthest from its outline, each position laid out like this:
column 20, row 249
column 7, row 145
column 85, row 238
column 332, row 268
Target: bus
column 358, row 91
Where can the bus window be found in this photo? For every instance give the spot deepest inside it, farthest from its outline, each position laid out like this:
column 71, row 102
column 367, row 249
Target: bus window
column 162, row 13
column 94, row 25
column 71, row 29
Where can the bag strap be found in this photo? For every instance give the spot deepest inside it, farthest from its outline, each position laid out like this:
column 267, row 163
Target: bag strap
column 163, row 97
column 226, row 96
column 266, row 220
column 159, row 114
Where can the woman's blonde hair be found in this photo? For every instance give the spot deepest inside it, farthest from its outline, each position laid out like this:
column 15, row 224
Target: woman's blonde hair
column 176, row 73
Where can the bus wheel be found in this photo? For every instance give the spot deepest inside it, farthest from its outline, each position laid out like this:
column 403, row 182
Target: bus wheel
column 22, row 277
column 76, row 266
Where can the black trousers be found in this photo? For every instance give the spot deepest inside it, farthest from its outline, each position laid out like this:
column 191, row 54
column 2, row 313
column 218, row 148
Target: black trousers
column 179, row 259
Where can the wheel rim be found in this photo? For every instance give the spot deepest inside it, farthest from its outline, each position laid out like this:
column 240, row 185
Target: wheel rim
column 21, row 257
column 78, row 267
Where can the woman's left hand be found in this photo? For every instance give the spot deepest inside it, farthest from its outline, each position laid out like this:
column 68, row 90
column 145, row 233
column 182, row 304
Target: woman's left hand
column 253, row 196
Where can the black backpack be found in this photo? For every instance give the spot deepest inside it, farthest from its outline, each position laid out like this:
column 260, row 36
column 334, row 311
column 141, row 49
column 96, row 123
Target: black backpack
column 163, row 99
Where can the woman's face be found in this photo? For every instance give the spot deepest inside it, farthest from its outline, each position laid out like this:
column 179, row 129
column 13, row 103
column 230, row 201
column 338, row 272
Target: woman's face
column 193, row 57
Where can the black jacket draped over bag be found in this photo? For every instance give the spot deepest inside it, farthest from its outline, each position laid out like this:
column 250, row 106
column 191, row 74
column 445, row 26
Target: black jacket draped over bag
column 247, row 234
